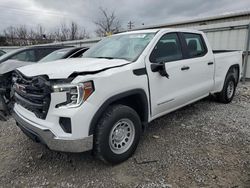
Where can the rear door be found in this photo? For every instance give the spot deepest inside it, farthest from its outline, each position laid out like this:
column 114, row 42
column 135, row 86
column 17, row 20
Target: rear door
column 200, row 62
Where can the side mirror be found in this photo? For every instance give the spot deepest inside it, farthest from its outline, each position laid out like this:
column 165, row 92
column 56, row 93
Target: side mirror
column 160, row 67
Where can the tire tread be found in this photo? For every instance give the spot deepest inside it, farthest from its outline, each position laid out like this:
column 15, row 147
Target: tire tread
column 100, row 128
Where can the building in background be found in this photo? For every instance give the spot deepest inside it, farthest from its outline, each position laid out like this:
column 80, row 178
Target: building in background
column 224, row 32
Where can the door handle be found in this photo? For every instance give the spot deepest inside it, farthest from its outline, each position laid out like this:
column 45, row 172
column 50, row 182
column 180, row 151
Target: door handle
column 185, row 68
column 210, row 63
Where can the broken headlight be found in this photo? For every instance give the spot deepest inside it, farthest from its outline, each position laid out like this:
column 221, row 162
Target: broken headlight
column 76, row 93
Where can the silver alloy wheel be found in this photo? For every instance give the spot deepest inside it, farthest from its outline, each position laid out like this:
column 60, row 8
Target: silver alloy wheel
column 122, row 136
column 230, row 89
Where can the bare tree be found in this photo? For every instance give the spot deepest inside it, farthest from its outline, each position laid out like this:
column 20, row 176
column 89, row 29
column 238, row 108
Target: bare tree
column 10, row 34
column 74, row 31
column 107, row 24
column 40, row 32
column 16, row 35
column 38, row 35
column 3, row 41
column 32, row 35
column 23, row 35
column 56, row 34
column 64, row 31
column 83, row 34
column 77, row 33
column 70, row 32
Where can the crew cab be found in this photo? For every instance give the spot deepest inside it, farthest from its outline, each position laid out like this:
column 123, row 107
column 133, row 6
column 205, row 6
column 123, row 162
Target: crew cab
column 104, row 100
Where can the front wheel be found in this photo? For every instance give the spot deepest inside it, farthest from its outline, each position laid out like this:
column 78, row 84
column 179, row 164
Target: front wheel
column 228, row 91
column 117, row 135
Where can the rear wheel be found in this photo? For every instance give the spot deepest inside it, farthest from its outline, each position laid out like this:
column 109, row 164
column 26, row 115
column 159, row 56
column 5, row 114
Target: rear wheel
column 117, row 135
column 228, row 91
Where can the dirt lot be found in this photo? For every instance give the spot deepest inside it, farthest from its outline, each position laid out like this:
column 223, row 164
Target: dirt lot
column 206, row 144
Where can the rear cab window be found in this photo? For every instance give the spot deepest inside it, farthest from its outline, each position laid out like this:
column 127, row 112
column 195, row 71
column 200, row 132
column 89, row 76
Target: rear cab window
column 196, row 46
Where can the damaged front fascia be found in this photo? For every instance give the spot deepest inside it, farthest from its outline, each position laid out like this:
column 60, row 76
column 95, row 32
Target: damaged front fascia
column 33, row 93
column 5, row 89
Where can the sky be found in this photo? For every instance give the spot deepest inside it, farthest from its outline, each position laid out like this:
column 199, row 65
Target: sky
column 51, row 13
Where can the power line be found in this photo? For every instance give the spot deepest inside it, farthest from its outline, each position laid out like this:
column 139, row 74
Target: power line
column 130, row 25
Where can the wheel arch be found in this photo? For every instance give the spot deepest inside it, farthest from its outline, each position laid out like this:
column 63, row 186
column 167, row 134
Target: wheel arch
column 136, row 99
column 235, row 69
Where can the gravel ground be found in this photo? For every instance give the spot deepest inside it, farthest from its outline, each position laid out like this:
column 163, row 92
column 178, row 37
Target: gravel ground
column 206, row 144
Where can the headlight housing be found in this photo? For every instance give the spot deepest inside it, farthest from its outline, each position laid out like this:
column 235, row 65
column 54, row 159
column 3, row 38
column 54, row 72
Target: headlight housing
column 76, row 93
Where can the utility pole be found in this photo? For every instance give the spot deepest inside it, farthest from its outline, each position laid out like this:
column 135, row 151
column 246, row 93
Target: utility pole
column 130, row 25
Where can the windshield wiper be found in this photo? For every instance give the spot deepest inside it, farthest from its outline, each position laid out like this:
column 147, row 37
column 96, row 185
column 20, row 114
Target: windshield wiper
column 105, row 57
column 114, row 58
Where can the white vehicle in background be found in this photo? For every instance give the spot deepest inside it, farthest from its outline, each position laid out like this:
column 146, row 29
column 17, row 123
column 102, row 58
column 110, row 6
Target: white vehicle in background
column 104, row 100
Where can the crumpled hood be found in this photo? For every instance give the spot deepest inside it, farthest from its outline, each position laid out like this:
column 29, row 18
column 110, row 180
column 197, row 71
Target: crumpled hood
column 64, row 68
column 11, row 65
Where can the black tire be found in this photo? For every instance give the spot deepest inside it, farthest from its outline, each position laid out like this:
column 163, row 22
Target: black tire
column 223, row 96
column 106, row 125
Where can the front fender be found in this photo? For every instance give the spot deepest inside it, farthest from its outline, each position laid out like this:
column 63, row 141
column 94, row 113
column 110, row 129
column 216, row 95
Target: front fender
column 118, row 97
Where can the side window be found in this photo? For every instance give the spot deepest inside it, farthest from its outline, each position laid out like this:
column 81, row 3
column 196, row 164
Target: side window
column 195, row 44
column 40, row 53
column 27, row 55
column 167, row 49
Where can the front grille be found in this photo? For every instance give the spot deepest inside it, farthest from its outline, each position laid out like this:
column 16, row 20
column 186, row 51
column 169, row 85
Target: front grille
column 33, row 93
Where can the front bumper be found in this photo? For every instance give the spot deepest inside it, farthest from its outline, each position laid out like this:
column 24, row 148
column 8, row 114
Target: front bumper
column 45, row 136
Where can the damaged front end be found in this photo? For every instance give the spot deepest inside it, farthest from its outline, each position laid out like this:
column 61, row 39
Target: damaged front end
column 6, row 91
column 32, row 93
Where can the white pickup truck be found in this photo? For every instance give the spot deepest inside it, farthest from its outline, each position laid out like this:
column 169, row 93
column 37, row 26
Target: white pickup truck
column 104, row 100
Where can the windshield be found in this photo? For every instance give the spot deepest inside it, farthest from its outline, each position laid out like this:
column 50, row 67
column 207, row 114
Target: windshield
column 125, row 46
column 58, row 54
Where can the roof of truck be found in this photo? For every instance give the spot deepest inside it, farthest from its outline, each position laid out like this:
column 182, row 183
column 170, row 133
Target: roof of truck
column 160, row 30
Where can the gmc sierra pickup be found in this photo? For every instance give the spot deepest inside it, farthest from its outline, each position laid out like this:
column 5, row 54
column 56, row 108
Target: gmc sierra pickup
column 103, row 101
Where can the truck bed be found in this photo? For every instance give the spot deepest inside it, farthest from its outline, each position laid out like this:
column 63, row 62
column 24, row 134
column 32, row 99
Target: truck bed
column 224, row 59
